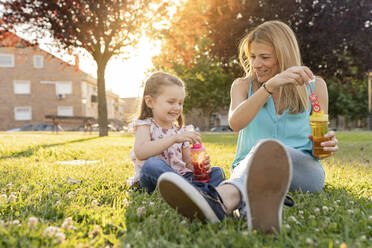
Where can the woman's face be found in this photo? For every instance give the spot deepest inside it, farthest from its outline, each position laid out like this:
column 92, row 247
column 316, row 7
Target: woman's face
column 264, row 61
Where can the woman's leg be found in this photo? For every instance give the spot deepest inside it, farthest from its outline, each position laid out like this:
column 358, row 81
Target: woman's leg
column 151, row 171
column 217, row 175
column 308, row 173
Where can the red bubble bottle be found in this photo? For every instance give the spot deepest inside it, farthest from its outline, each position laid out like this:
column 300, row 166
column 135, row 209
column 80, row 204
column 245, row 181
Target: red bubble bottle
column 198, row 155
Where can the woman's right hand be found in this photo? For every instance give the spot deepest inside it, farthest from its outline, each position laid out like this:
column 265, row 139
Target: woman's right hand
column 189, row 136
column 297, row 75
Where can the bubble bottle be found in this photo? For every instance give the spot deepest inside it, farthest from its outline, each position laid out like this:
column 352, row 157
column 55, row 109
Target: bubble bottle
column 201, row 171
column 319, row 127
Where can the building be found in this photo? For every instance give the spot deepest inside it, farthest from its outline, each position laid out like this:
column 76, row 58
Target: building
column 35, row 85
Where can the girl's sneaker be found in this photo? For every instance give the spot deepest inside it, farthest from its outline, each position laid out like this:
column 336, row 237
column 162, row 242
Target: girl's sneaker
column 269, row 173
column 192, row 200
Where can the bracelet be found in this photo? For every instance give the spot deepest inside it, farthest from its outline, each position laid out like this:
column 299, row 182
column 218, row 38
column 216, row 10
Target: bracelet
column 264, row 86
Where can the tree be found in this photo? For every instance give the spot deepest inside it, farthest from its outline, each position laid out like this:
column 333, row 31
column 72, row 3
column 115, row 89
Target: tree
column 104, row 28
column 334, row 36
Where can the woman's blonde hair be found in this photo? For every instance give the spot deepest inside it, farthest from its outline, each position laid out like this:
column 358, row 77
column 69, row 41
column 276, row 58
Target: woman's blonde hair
column 153, row 87
column 281, row 37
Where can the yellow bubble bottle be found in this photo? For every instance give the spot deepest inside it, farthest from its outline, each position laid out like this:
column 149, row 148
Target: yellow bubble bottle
column 319, row 127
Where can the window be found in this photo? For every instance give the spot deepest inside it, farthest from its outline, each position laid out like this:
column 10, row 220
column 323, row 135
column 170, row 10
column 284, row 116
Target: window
column 65, row 111
column 63, row 88
column 22, row 87
column 22, row 113
column 38, row 61
column 6, row 60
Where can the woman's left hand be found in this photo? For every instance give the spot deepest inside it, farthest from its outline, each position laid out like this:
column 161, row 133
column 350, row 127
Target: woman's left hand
column 207, row 163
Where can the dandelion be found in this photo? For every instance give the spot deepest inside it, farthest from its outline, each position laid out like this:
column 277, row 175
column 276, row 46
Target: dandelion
column 3, row 197
column 350, row 211
column 68, row 224
column 32, row 222
column 325, row 208
column 316, row 210
column 141, row 211
column 60, row 237
column 94, row 203
column 12, row 198
column 50, row 231
column 309, row 241
column 125, row 202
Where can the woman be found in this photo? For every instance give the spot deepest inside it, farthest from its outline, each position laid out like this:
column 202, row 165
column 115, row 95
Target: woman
column 270, row 108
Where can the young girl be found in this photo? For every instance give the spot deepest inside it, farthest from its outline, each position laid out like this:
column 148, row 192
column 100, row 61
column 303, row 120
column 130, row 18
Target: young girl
column 161, row 142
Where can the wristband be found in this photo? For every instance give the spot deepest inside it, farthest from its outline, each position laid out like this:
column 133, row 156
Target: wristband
column 264, row 86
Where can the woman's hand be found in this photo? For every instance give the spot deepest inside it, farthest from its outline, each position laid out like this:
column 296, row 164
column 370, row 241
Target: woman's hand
column 297, row 75
column 331, row 144
column 189, row 136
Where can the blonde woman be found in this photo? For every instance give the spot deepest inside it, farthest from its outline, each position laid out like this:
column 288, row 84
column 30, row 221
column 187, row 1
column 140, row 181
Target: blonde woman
column 270, row 108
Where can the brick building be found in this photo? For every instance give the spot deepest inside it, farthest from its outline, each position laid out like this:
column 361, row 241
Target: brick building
column 35, row 85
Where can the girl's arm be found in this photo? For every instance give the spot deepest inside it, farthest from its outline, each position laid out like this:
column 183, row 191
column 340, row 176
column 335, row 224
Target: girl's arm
column 186, row 157
column 145, row 148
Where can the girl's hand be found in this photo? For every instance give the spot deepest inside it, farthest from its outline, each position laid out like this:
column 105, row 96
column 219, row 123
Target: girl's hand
column 207, row 164
column 190, row 136
column 297, row 75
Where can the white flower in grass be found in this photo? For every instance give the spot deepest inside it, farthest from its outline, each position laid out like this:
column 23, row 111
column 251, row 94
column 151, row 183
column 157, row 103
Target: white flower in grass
column 311, row 217
column 12, row 198
column 56, row 195
column 301, row 212
column 363, row 238
column 60, row 237
column 183, row 223
column 293, row 219
column 352, row 202
column 50, row 231
column 141, row 211
column 14, row 222
column 337, row 242
column 316, row 229
column 343, row 245
column 3, row 197
column 245, row 233
column 9, row 186
column 58, row 202
column 125, row 202
column 325, row 209
column 287, row 226
column 32, row 221
column 95, row 203
column 350, row 211
column 370, row 218
column 309, row 241
column 151, row 204
column 68, row 224
column 316, row 210
column 128, row 246
column 70, row 195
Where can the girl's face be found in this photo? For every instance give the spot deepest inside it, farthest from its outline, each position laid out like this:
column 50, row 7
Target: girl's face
column 168, row 106
column 264, row 61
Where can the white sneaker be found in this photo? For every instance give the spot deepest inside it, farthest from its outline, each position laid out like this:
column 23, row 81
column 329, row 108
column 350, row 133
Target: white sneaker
column 269, row 173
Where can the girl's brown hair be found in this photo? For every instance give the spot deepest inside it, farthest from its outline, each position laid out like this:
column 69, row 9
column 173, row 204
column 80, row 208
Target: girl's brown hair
column 281, row 37
column 153, row 88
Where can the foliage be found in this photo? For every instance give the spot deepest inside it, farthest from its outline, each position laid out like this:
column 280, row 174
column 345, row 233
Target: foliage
column 103, row 28
column 104, row 212
column 334, row 36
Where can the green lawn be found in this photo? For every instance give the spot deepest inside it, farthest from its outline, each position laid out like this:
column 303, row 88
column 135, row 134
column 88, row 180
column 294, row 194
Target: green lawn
column 44, row 203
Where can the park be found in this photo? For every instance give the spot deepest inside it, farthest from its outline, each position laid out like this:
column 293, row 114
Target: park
column 287, row 75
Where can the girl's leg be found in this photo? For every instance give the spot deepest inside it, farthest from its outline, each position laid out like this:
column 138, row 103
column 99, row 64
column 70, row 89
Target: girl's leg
column 151, row 171
column 308, row 173
column 217, row 175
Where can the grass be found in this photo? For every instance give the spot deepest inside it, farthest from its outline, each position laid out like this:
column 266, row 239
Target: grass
column 105, row 213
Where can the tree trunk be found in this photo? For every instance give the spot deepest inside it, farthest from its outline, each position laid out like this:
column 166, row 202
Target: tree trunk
column 102, row 105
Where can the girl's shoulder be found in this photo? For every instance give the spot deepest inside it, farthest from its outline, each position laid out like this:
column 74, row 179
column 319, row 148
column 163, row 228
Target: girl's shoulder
column 138, row 123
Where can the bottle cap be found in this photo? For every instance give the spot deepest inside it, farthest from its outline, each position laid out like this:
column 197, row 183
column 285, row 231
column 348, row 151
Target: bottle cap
column 318, row 116
column 197, row 146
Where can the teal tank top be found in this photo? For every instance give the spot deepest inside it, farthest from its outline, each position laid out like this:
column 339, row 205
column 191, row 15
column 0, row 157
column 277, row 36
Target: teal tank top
column 291, row 129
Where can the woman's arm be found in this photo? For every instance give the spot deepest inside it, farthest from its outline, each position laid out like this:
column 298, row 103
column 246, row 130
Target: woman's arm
column 242, row 109
column 145, row 148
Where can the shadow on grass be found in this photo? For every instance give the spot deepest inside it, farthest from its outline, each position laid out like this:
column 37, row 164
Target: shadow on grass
column 334, row 215
column 30, row 151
